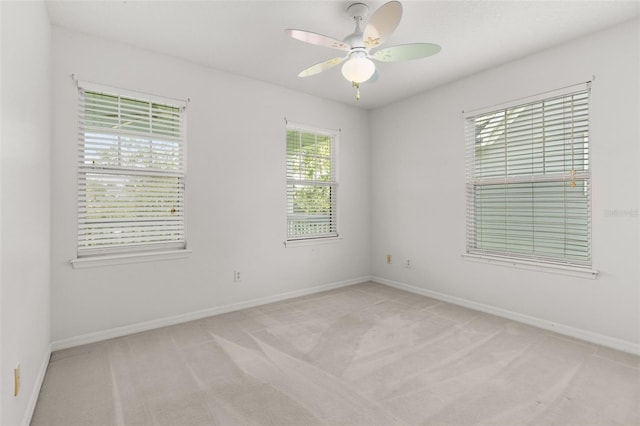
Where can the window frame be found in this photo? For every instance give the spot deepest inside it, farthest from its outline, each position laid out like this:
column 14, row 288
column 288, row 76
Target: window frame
column 509, row 257
column 333, row 183
column 174, row 169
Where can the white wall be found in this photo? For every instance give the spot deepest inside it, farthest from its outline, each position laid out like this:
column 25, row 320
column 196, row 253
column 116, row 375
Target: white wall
column 418, row 201
column 25, row 205
column 235, row 193
column 414, row 169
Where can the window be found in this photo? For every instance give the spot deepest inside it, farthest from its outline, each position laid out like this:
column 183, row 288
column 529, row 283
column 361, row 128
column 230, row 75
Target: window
column 131, row 172
column 528, row 179
column 312, row 186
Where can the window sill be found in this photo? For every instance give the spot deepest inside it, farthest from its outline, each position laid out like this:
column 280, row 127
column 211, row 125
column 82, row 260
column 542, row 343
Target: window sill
column 554, row 268
column 120, row 259
column 312, row 241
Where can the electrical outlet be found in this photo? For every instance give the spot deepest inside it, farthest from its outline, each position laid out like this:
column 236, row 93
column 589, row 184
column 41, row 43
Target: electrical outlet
column 16, row 380
column 388, row 259
column 236, row 276
column 408, row 263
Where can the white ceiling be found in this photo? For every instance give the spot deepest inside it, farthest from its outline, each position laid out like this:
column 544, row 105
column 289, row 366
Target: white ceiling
column 247, row 37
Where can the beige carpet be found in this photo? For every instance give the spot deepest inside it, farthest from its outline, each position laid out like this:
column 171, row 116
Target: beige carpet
column 361, row 355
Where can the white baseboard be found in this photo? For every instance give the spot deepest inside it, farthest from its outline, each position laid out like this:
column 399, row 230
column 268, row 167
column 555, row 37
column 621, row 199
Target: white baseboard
column 35, row 391
column 191, row 316
column 599, row 339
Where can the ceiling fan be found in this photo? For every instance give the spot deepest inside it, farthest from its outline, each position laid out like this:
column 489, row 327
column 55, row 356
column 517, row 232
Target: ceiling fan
column 358, row 45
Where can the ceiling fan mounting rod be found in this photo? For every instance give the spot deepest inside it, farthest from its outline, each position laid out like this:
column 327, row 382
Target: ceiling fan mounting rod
column 355, row 39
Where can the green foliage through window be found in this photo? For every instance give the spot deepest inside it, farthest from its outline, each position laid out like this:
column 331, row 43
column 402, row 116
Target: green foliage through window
column 311, row 185
column 131, row 174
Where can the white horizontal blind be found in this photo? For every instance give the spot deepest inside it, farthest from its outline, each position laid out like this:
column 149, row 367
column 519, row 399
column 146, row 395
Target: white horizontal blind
column 312, row 187
column 528, row 184
column 131, row 173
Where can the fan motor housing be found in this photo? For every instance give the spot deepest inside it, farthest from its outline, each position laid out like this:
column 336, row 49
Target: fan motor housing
column 355, row 41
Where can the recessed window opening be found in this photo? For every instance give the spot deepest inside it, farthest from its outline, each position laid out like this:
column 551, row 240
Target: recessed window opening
column 528, row 180
column 131, row 172
column 312, row 186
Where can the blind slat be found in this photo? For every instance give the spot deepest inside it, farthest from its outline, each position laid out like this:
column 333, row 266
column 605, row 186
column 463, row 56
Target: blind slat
column 528, row 180
column 131, row 168
column 312, row 187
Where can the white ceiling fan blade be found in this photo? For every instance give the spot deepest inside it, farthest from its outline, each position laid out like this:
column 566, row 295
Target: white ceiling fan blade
column 383, row 22
column 317, row 39
column 322, row 66
column 406, row 52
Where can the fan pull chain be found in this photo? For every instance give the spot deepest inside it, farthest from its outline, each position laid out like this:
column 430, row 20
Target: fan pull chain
column 357, row 86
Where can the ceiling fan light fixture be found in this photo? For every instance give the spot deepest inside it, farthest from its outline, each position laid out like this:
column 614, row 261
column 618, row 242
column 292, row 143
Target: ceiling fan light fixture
column 358, row 68
column 357, row 64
